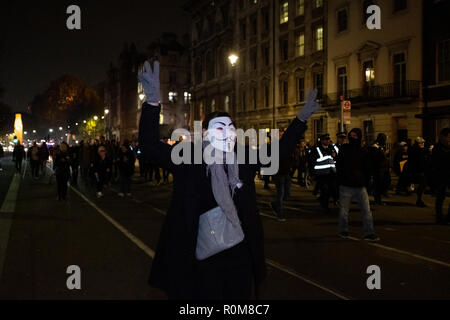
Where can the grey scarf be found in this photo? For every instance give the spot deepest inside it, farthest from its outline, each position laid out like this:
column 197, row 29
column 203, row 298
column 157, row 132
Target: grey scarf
column 224, row 185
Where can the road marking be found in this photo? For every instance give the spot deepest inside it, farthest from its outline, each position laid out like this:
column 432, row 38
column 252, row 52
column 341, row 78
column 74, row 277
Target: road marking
column 151, row 253
column 290, row 208
column 118, row 226
column 8, row 206
column 437, row 240
column 417, row 256
column 280, row 267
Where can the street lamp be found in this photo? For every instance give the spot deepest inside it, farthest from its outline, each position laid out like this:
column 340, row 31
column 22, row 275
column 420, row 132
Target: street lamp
column 233, row 58
column 60, row 128
column 50, row 130
column 34, row 131
column 95, row 118
column 106, row 111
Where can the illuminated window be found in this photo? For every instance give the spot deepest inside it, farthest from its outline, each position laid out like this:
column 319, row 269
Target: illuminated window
column 173, row 96
column 318, row 38
column 300, row 45
column 300, row 7
column 318, row 4
column 284, row 12
column 187, row 97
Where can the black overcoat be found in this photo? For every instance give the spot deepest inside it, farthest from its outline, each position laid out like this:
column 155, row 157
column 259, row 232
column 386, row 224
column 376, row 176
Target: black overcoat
column 173, row 266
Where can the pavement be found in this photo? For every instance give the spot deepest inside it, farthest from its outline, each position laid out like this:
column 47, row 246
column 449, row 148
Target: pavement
column 112, row 240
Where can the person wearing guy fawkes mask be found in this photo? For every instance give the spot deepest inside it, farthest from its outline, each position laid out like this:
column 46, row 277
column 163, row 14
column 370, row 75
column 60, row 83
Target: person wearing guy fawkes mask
column 235, row 273
column 353, row 174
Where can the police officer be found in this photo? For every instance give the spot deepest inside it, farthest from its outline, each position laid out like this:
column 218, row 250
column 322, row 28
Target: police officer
column 341, row 140
column 325, row 170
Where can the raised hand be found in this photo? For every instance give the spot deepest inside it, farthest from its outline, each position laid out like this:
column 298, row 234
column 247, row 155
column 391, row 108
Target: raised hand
column 311, row 106
column 150, row 82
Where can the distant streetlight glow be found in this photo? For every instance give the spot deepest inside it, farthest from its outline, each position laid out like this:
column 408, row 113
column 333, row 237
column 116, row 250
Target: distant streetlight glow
column 34, row 131
column 233, row 59
column 95, row 118
column 60, row 128
column 106, row 111
column 50, row 130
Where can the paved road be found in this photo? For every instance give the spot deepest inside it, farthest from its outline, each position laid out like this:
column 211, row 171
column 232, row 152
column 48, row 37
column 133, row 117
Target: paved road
column 112, row 240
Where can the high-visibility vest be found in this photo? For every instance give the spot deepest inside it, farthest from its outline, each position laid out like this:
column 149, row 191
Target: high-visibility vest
column 324, row 164
column 336, row 148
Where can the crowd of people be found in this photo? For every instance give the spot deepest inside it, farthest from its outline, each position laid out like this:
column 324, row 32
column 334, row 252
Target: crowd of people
column 97, row 163
column 417, row 166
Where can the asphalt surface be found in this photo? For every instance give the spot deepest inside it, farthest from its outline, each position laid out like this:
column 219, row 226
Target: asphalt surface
column 112, row 241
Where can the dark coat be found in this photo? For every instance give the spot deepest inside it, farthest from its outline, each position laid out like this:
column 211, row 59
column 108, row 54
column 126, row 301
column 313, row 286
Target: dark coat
column 440, row 164
column 125, row 162
column 61, row 166
column 174, row 263
column 353, row 166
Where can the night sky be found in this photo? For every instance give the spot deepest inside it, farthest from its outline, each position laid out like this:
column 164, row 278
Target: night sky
column 37, row 47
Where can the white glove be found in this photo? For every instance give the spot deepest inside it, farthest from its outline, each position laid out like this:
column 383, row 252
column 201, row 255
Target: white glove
column 150, row 83
column 311, row 106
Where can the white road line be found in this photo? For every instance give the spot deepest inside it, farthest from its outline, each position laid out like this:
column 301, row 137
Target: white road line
column 8, row 206
column 151, row 253
column 413, row 255
column 279, row 266
column 118, row 226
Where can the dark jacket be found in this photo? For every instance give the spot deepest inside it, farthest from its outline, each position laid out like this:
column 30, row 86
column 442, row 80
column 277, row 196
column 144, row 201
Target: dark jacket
column 440, row 163
column 61, row 166
column 102, row 167
column 353, row 166
column 125, row 162
column 18, row 153
column 418, row 160
column 380, row 163
column 174, row 262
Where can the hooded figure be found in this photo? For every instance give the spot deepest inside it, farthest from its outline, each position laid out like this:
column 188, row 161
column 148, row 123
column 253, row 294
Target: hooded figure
column 353, row 170
column 237, row 272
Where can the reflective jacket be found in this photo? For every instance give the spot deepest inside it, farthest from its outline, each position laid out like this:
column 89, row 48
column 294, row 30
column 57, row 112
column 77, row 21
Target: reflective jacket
column 324, row 163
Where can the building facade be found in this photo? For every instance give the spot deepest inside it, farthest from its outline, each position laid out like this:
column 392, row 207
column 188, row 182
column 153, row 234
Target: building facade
column 436, row 69
column 281, row 45
column 378, row 71
column 124, row 94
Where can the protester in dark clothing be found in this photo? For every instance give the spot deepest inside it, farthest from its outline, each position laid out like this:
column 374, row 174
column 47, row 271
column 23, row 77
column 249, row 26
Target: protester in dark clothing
column 43, row 156
column 353, row 175
column 85, row 160
column 401, row 169
column 61, row 167
column 74, row 153
column 125, row 163
column 18, row 156
column 33, row 157
column 418, row 162
column 101, row 170
column 282, row 182
column 230, row 273
column 378, row 154
column 440, row 164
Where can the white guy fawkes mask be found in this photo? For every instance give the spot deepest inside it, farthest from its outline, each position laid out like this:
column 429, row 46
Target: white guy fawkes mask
column 222, row 134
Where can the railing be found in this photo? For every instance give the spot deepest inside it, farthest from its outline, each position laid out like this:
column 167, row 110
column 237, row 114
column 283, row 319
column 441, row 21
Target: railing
column 437, row 92
column 374, row 94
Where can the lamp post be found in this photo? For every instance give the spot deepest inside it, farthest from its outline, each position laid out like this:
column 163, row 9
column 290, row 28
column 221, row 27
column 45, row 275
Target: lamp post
column 233, row 58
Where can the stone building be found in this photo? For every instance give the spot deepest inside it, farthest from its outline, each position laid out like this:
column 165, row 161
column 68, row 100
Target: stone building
column 379, row 71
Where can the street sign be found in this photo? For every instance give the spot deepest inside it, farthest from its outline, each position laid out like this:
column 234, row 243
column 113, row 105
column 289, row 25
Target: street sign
column 346, row 111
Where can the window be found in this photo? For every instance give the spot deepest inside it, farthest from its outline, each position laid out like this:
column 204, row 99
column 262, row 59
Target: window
column 265, row 19
column 198, row 71
column 300, row 89
column 342, row 81
column 284, row 49
column 227, row 104
column 243, row 64
column 300, row 45
column 213, row 105
column 300, row 7
column 210, row 66
column 318, row 128
column 255, row 97
column 444, row 61
column 342, row 20
column 242, row 4
column 318, row 4
column 225, row 15
column 266, row 54
column 173, row 97
column 187, row 97
column 284, row 88
column 369, row 132
column 318, row 38
column 254, row 58
column 266, row 95
column 318, row 84
column 284, row 12
column 368, row 72
column 400, row 5
column 254, row 25
column 399, row 73
column 243, row 99
column 243, row 30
